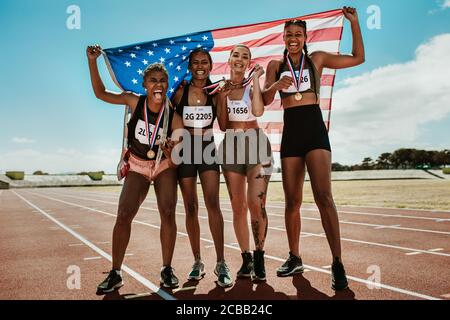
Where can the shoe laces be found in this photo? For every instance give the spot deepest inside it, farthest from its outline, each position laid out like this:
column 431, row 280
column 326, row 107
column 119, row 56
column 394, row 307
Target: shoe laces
column 223, row 268
column 168, row 271
column 110, row 274
column 197, row 264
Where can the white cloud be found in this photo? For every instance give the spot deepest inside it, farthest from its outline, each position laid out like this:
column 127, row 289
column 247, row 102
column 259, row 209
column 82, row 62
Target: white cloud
column 386, row 108
column 22, row 140
column 445, row 4
column 60, row 161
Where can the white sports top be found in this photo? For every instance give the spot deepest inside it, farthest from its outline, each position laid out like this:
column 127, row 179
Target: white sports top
column 241, row 110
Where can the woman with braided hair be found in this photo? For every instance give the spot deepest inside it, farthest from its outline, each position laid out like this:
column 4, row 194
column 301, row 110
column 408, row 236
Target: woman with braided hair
column 305, row 142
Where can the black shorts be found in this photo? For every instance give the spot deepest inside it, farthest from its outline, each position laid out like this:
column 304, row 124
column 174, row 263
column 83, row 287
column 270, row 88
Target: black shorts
column 199, row 160
column 303, row 131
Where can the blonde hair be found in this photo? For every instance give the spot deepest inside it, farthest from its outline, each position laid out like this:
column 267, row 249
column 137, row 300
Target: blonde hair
column 241, row 45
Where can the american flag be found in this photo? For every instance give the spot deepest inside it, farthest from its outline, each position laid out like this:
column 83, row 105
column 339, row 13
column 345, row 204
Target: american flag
column 265, row 40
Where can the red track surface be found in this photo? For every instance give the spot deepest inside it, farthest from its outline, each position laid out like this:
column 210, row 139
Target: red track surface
column 45, row 231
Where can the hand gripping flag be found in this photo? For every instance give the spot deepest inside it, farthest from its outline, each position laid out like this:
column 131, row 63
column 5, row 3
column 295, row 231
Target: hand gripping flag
column 324, row 30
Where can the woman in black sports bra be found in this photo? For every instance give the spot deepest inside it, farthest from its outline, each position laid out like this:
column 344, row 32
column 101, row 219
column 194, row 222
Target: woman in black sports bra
column 198, row 111
column 305, row 140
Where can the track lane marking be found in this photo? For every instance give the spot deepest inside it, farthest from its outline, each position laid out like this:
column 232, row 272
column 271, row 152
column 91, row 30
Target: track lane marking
column 381, row 226
column 226, row 202
column 356, row 279
column 125, row 268
column 303, row 234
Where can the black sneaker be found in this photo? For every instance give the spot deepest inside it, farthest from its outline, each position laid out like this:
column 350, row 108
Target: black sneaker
column 338, row 278
column 259, row 272
column 168, row 279
column 292, row 266
column 113, row 281
column 247, row 265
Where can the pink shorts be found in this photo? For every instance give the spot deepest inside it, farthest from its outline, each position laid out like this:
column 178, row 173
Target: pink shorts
column 148, row 168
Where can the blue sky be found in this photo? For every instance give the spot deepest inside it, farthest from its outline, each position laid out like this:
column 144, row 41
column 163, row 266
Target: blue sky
column 52, row 121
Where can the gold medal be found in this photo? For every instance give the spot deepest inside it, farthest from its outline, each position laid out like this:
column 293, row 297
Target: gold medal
column 150, row 154
column 298, row 96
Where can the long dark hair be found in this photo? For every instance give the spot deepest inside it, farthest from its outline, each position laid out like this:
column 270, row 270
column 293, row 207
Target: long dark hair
column 201, row 50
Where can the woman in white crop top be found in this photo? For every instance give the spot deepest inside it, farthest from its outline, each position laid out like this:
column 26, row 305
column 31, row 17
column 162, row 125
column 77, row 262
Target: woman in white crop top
column 246, row 159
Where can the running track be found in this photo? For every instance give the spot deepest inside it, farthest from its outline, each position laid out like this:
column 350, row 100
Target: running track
column 45, row 233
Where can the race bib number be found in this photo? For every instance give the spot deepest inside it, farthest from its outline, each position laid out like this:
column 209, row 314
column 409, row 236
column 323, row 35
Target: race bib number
column 238, row 111
column 306, row 81
column 141, row 135
column 197, row 117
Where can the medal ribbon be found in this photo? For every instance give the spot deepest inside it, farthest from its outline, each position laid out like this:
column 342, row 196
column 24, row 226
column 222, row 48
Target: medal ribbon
column 297, row 80
column 152, row 140
column 217, row 85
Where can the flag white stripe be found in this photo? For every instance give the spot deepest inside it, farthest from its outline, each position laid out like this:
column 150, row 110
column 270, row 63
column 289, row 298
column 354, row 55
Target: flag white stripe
column 311, row 25
column 272, row 50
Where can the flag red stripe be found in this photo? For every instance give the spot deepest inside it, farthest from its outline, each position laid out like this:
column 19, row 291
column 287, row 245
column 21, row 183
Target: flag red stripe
column 327, row 34
column 250, row 28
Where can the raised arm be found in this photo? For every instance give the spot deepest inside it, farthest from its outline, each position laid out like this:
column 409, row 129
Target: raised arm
column 339, row 61
column 257, row 98
column 123, row 98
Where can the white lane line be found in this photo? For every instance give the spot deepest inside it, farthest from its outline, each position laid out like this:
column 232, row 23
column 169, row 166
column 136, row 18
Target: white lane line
column 129, row 254
column 116, row 194
column 104, row 242
column 209, row 246
column 381, row 226
column 447, row 295
column 437, row 249
column 284, row 230
column 139, row 295
column 76, row 244
column 387, row 227
column 227, row 202
column 413, row 253
column 92, row 258
column 327, row 267
column 125, row 268
column 364, row 281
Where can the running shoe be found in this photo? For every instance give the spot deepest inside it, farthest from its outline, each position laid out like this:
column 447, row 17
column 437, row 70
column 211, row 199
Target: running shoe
column 223, row 275
column 198, row 271
column 259, row 272
column 247, row 265
column 113, row 281
column 292, row 266
column 168, row 279
column 338, row 278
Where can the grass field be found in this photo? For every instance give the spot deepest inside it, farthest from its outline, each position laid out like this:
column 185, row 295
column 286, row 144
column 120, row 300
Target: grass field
column 416, row 194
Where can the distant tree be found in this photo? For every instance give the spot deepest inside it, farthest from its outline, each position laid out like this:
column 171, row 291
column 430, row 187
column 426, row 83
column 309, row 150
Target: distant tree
column 402, row 158
column 367, row 164
column 384, row 160
column 40, row 173
column 339, row 167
